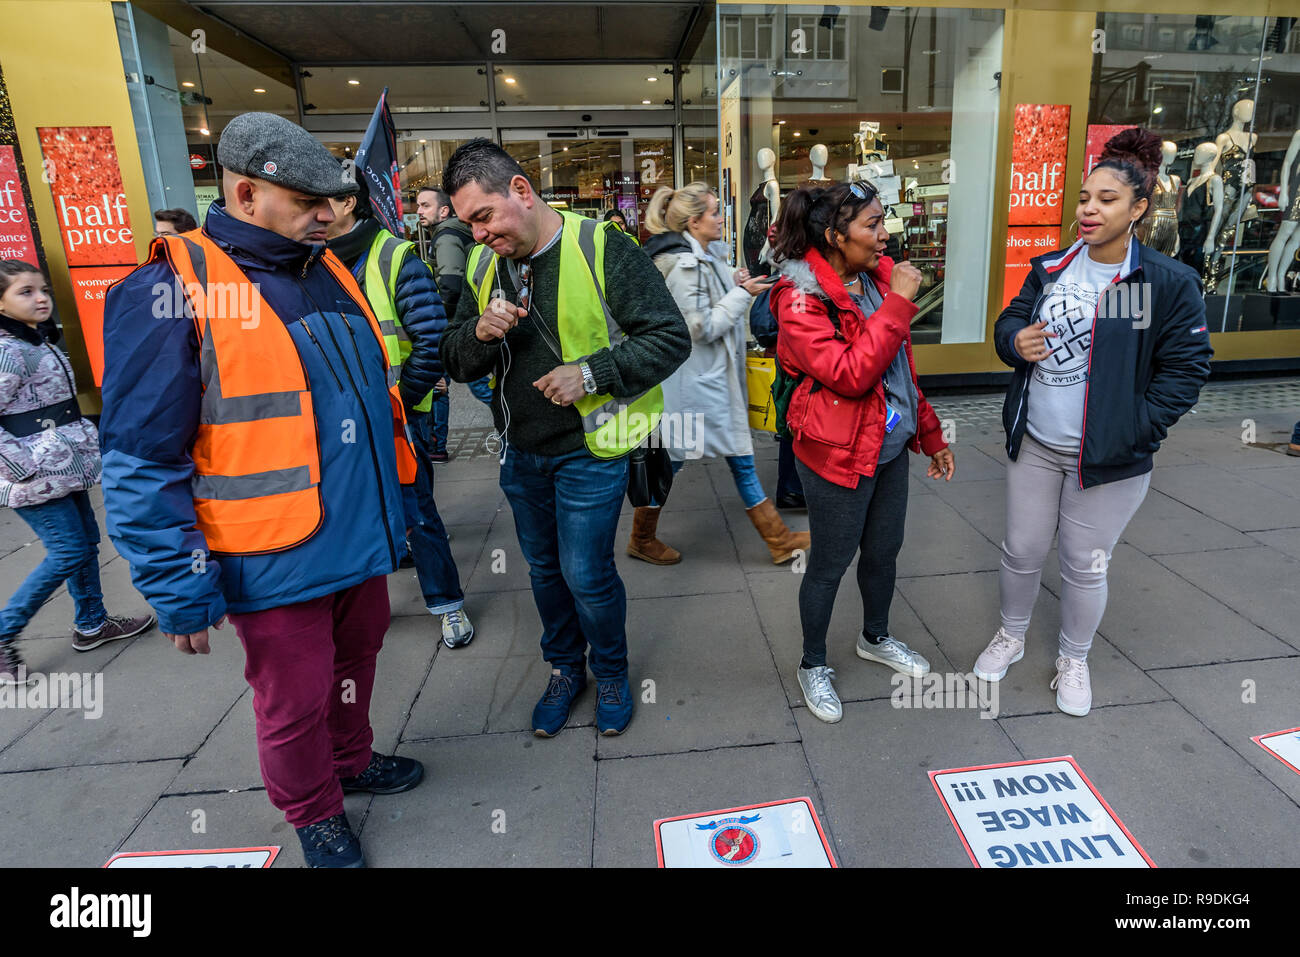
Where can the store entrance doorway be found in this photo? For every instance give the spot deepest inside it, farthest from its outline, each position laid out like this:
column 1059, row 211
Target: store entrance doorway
column 591, row 170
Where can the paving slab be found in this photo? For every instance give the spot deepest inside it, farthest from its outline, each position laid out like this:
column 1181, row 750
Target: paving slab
column 158, row 703
column 1164, row 525
column 713, row 687
column 1261, row 584
column 938, row 540
column 1160, row 620
column 1285, row 540
column 1240, row 700
column 961, row 611
column 501, row 565
column 633, row 793
column 241, row 819
column 872, row 769
column 77, row 817
column 1189, row 799
column 538, row 793
column 1229, row 496
column 227, row 760
column 708, row 558
column 466, row 501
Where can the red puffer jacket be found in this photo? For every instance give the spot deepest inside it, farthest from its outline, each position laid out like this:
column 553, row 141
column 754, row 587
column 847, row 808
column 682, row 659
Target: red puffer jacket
column 837, row 413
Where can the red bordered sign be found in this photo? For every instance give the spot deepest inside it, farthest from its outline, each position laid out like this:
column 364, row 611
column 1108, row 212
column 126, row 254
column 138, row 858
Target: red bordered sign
column 1283, row 745
column 1051, row 816
column 239, row 857
column 774, row 834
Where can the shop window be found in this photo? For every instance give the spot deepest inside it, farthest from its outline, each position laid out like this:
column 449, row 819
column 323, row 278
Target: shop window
column 1222, row 92
column 910, row 90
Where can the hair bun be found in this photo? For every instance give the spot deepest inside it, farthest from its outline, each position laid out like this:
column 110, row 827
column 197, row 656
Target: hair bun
column 1138, row 146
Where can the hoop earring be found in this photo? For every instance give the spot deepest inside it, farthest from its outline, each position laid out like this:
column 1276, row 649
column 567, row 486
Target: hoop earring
column 1074, row 228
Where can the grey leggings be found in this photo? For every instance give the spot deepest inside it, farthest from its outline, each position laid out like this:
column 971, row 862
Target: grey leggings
column 1042, row 495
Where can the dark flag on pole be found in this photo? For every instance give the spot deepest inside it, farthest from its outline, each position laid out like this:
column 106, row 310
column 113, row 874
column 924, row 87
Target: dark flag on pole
column 376, row 167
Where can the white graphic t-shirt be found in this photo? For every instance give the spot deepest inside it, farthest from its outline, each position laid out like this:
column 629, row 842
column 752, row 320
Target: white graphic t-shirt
column 1058, row 382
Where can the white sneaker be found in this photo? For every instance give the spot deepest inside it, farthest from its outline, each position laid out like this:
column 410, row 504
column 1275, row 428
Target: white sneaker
column 819, row 694
column 890, row 651
column 456, row 629
column 1002, row 652
column 1073, row 686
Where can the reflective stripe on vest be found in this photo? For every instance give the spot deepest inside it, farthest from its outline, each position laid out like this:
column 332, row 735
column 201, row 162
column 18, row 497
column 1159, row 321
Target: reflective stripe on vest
column 383, row 264
column 611, row 427
column 256, row 482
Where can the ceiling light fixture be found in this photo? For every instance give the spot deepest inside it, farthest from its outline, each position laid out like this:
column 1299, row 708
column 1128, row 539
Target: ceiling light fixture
column 510, row 79
column 258, row 89
column 652, row 79
column 188, row 84
column 645, row 102
column 204, row 131
column 797, row 133
column 354, row 82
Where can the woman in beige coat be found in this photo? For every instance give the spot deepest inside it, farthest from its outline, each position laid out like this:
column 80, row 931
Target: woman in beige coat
column 706, row 399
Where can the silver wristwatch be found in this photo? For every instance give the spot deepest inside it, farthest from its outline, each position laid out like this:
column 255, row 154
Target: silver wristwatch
column 588, row 380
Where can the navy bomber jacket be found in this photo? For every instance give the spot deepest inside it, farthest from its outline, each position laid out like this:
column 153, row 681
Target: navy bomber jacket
column 1150, row 356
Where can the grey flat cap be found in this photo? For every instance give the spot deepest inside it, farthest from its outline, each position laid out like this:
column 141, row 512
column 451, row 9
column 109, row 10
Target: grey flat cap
column 272, row 148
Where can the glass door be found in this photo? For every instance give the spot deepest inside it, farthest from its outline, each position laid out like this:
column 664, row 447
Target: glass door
column 592, row 170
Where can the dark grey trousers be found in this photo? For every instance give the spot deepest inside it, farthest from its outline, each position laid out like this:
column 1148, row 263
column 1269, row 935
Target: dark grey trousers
column 842, row 521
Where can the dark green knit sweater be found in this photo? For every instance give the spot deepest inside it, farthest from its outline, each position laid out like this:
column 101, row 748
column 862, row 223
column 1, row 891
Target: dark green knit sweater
column 658, row 342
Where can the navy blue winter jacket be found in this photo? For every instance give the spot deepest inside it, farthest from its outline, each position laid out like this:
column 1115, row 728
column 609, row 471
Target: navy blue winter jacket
column 418, row 305
column 152, row 391
column 1150, row 356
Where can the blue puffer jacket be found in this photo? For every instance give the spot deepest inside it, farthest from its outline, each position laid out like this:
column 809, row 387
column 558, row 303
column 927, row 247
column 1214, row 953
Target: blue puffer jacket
column 152, row 389
column 418, row 304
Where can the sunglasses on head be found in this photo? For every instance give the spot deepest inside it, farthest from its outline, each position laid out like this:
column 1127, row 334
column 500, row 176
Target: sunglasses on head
column 862, row 191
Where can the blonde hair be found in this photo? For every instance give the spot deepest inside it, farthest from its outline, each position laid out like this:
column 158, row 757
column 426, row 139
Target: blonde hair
column 671, row 209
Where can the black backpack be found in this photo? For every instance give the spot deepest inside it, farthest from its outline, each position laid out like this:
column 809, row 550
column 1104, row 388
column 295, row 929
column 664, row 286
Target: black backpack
column 784, row 384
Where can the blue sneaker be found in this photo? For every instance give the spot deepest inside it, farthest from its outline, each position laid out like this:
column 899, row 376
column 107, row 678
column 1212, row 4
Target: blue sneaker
column 552, row 711
column 613, row 706
column 330, row 843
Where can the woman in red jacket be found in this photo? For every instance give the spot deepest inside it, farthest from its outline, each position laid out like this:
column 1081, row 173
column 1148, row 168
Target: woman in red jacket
column 844, row 311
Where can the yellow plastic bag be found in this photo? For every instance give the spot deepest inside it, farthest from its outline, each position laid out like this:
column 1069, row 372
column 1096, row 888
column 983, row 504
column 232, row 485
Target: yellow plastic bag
column 760, row 371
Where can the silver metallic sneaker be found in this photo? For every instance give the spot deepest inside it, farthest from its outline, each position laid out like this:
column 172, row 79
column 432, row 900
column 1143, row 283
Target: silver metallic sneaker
column 1002, row 652
column 456, row 629
column 819, row 694
column 1073, row 686
column 894, row 653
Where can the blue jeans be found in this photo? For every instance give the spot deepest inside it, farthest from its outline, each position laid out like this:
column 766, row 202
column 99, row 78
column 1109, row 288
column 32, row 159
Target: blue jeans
column 434, row 566
column 566, row 510
column 481, row 390
column 68, row 530
column 440, row 412
column 745, row 475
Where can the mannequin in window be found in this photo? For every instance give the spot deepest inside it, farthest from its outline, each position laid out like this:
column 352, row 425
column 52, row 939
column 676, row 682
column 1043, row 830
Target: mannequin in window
column 1236, row 167
column 1202, row 213
column 819, row 156
column 763, row 208
column 1281, row 253
column 1160, row 229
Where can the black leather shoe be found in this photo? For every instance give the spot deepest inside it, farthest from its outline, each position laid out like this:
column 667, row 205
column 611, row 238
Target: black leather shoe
column 387, row 774
column 791, row 502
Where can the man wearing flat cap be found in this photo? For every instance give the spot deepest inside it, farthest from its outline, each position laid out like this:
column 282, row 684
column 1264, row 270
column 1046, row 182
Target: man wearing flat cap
column 254, row 448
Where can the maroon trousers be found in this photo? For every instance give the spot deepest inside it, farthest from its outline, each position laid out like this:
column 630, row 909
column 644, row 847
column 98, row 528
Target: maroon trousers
column 311, row 666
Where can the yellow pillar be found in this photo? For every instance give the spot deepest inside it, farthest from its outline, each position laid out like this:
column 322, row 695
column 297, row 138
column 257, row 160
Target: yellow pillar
column 63, row 67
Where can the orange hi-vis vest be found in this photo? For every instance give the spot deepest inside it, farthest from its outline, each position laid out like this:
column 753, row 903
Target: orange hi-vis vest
column 256, row 483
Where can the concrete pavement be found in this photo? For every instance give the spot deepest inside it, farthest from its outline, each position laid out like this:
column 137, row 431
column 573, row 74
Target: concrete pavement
column 1199, row 650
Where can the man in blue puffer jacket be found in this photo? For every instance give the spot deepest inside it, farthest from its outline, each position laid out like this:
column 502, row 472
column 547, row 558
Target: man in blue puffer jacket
column 311, row 617
column 411, row 302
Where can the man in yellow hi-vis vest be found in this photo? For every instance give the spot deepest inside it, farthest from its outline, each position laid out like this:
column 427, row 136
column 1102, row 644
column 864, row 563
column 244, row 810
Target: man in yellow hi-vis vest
column 579, row 328
column 400, row 289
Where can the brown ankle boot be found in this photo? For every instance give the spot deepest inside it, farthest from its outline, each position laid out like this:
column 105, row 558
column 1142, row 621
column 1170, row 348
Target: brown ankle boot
column 644, row 545
column 781, row 542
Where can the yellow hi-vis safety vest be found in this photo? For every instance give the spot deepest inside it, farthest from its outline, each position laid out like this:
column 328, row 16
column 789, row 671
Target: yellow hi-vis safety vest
column 383, row 263
column 612, row 427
